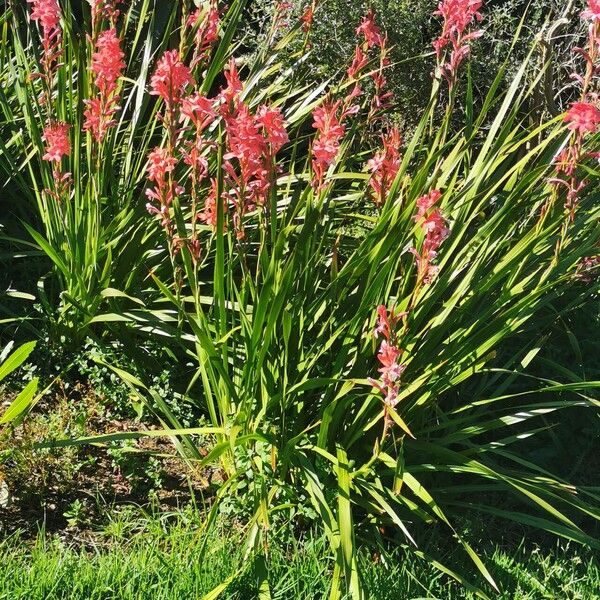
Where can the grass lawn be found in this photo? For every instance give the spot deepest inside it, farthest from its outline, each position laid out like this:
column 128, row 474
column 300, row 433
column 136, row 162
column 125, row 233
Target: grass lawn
column 162, row 557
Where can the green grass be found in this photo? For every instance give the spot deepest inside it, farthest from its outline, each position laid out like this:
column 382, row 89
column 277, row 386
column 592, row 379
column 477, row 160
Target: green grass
column 161, row 557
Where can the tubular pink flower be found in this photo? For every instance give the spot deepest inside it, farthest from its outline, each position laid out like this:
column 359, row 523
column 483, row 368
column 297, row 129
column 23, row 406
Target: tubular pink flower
column 274, row 129
column 160, row 166
column 326, row 146
column 107, row 61
column 370, row 30
column 199, row 110
column 583, row 117
column 252, row 144
column 107, row 66
column 389, row 355
column 436, row 230
column 47, row 13
column 170, row 78
column 230, row 95
column 384, row 166
column 56, row 137
column 206, row 20
column 458, row 15
column 592, row 12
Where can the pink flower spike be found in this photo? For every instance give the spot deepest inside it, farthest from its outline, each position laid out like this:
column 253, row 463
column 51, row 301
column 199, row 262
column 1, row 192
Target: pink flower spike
column 424, row 203
column 47, row 13
column 458, row 15
column 56, row 137
column 583, row 117
column 326, row 145
column 274, row 127
column 198, row 109
column 592, row 12
column 369, row 30
column 107, row 61
column 170, row 78
column 159, row 164
column 384, row 166
column 359, row 62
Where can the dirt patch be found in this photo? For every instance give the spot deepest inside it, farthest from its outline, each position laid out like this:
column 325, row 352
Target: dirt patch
column 68, row 490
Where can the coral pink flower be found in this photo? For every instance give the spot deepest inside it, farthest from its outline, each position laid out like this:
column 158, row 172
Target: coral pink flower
column 245, row 142
column 436, row 230
column 369, row 30
column 387, row 321
column 47, row 13
column 273, row 125
column 159, row 164
column 107, row 66
column 252, row 144
column 359, row 62
column 592, row 12
column 170, row 78
column 583, row 117
column 424, row 203
column 104, row 9
column 231, row 93
column 56, row 137
column 326, row 146
column 199, row 110
column 458, row 16
column 389, row 354
column 206, row 20
column 384, row 166
column 107, row 61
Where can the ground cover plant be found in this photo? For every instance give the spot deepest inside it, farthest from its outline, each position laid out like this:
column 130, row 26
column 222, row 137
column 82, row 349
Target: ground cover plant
column 352, row 311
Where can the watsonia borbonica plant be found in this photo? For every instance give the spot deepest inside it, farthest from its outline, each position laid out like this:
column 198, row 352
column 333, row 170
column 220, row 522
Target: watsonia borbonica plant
column 74, row 106
column 336, row 297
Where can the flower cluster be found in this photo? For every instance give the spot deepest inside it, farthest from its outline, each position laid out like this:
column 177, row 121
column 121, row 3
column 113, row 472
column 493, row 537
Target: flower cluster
column 200, row 111
column 458, row 15
column 372, row 39
column 384, row 166
column 328, row 120
column 435, row 230
column 389, row 355
column 205, row 20
column 56, row 133
column 582, row 117
column 592, row 12
column 47, row 13
column 104, row 9
column 56, row 136
column 370, row 30
column 107, row 67
column 253, row 141
column 170, row 79
column 161, row 163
